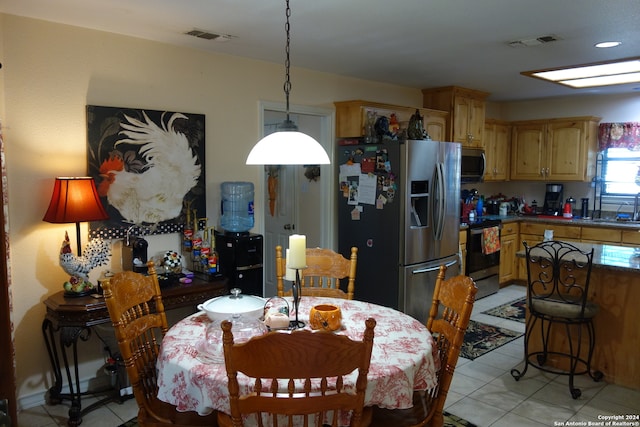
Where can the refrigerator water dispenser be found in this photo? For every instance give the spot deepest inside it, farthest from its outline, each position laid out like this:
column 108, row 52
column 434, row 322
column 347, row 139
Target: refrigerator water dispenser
column 419, row 200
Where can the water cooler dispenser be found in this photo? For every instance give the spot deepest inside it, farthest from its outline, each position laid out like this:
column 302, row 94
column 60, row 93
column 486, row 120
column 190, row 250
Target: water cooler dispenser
column 240, row 260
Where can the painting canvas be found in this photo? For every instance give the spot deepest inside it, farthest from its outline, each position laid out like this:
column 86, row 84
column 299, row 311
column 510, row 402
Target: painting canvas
column 149, row 168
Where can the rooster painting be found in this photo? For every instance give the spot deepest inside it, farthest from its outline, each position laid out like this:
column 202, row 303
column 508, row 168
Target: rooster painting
column 96, row 253
column 149, row 185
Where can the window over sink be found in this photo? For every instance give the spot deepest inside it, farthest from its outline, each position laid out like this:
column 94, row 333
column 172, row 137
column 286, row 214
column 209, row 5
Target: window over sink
column 620, row 172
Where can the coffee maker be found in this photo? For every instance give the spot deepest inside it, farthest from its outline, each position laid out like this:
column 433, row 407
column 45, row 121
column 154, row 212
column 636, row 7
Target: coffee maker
column 553, row 201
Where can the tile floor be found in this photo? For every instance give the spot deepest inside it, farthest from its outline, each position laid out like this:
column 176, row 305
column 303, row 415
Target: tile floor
column 482, row 390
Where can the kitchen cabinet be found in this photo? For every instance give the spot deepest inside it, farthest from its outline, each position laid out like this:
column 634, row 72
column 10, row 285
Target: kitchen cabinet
column 466, row 108
column 463, row 251
column 600, row 235
column 497, row 139
column 631, row 237
column 554, row 149
column 351, row 118
column 508, row 248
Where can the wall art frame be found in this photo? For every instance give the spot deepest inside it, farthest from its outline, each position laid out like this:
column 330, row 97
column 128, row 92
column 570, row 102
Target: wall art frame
column 149, row 168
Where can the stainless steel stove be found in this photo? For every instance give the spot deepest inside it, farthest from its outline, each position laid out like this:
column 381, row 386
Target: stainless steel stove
column 483, row 268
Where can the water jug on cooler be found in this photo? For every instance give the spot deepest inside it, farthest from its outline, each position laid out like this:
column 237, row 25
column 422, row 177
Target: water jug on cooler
column 237, row 206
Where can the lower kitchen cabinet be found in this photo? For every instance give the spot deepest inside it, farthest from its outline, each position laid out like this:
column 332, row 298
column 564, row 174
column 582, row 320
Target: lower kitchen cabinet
column 601, row 235
column 508, row 247
column 631, row 238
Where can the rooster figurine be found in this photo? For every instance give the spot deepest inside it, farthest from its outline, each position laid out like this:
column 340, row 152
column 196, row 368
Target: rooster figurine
column 96, row 253
column 149, row 188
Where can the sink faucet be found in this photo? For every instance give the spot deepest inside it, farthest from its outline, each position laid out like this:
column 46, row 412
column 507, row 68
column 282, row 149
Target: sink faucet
column 636, row 212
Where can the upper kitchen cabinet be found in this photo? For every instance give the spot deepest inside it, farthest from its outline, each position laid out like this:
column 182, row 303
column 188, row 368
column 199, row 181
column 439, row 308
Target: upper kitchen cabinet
column 351, row 118
column 466, row 109
column 562, row 149
column 497, row 143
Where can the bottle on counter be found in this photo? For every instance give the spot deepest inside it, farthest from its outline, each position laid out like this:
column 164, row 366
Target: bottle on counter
column 205, row 249
column 584, row 213
column 197, row 238
column 572, row 203
column 212, row 261
column 480, row 206
column 472, row 216
column 187, row 232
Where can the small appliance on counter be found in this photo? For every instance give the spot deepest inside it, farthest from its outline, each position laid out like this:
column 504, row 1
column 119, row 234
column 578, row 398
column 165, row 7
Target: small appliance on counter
column 553, row 202
column 134, row 252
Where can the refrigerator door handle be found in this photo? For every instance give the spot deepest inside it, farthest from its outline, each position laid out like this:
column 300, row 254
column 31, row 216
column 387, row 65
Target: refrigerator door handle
column 439, row 202
column 434, row 268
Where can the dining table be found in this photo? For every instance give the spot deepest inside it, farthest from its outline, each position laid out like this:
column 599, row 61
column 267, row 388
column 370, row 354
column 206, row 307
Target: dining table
column 403, row 359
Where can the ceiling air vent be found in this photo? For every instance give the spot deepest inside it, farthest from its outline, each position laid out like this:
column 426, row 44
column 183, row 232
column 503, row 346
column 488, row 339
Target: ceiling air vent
column 533, row 41
column 208, row 35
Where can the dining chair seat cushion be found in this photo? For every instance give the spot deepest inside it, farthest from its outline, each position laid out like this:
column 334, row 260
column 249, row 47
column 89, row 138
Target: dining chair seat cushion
column 562, row 309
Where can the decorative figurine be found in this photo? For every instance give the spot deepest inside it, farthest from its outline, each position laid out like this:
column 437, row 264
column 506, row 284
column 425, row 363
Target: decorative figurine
column 96, row 253
column 416, row 127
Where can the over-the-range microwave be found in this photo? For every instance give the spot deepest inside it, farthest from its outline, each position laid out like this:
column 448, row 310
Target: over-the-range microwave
column 472, row 165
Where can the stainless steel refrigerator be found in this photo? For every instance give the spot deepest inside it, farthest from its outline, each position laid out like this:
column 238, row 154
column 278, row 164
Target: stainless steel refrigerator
column 398, row 203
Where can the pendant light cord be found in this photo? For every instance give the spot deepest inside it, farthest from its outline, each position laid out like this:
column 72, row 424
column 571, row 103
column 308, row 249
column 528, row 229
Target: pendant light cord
column 287, row 62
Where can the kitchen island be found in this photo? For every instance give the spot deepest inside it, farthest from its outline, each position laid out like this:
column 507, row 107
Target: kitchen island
column 615, row 286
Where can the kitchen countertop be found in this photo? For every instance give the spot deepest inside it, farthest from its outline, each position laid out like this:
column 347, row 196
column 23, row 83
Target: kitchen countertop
column 600, row 223
column 611, row 257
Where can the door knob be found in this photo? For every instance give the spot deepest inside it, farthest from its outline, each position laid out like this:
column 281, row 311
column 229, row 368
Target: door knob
column 288, row 227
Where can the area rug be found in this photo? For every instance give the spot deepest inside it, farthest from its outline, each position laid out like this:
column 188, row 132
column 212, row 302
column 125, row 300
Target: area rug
column 514, row 310
column 450, row 420
column 481, row 338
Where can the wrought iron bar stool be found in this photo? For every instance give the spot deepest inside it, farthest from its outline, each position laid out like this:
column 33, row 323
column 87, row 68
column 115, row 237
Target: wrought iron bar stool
column 558, row 276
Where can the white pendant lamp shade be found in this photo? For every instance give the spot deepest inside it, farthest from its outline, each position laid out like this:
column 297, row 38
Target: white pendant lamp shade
column 288, row 148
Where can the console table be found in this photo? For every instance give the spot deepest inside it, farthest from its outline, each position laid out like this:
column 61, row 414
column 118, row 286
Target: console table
column 68, row 320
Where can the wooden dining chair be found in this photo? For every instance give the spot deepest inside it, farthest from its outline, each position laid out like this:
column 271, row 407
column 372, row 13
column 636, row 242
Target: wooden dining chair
column 137, row 313
column 325, row 273
column 297, row 378
column 449, row 316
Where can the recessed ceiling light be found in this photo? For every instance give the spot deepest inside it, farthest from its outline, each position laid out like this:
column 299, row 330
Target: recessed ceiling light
column 604, row 45
column 591, row 75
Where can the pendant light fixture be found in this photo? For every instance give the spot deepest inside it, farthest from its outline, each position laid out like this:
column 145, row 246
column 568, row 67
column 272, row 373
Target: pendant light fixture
column 287, row 146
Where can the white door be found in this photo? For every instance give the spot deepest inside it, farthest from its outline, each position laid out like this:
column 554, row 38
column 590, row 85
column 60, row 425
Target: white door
column 297, row 204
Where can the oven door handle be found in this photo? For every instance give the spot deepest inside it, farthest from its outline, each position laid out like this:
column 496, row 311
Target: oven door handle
column 479, row 230
column 434, row 268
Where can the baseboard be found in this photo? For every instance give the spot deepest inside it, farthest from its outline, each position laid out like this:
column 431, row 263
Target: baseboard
column 39, row 398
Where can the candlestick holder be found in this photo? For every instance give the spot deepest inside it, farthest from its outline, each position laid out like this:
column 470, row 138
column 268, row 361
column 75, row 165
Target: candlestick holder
column 295, row 290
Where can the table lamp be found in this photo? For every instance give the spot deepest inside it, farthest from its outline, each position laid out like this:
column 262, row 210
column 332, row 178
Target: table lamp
column 75, row 199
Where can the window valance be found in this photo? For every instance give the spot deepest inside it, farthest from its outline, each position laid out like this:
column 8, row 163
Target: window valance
column 619, row 135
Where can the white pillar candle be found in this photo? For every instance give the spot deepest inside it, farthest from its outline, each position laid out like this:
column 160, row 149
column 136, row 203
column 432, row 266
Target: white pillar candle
column 289, row 273
column 297, row 258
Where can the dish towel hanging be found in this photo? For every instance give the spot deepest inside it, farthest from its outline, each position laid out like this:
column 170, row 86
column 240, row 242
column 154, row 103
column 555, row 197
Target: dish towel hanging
column 490, row 240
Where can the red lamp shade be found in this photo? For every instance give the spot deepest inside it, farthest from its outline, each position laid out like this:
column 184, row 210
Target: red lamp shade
column 75, row 199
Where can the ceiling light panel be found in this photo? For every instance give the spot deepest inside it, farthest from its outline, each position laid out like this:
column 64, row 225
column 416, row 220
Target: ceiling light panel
column 623, row 71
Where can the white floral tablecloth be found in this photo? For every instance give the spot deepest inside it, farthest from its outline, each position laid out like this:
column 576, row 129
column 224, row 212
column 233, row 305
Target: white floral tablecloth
column 402, row 359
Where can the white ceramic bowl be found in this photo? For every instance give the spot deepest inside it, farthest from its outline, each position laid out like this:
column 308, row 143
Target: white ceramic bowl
column 228, row 306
